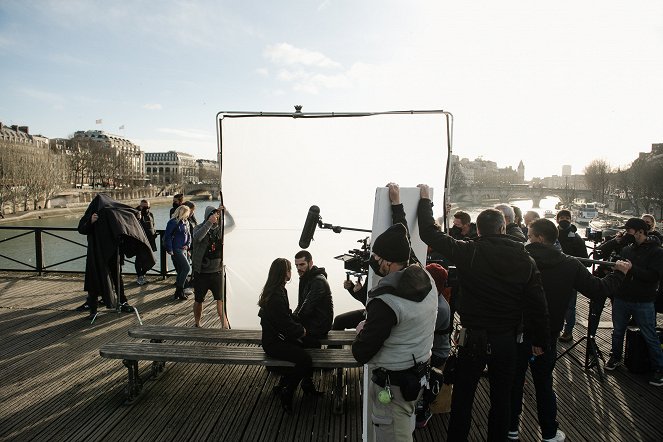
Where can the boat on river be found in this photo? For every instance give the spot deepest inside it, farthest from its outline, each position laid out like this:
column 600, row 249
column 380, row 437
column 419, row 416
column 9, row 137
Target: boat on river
column 585, row 213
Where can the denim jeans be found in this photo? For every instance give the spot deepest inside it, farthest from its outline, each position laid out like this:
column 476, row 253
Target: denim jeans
column 182, row 266
column 645, row 317
column 570, row 316
column 542, row 377
column 501, row 360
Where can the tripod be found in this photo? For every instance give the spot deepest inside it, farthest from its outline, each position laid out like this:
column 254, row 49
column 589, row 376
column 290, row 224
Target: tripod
column 593, row 356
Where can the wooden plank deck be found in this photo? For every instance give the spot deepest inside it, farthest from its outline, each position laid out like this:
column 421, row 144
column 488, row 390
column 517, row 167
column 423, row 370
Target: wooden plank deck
column 55, row 386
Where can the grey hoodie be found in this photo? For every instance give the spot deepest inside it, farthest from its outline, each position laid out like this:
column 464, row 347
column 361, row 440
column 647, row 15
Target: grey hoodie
column 204, row 235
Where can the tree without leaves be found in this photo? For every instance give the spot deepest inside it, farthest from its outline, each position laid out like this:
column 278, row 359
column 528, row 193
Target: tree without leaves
column 597, row 175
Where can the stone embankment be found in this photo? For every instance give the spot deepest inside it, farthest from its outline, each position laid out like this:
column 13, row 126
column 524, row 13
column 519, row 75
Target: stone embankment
column 75, row 201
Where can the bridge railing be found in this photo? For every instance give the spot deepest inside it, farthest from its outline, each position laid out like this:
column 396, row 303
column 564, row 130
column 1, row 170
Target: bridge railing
column 58, row 250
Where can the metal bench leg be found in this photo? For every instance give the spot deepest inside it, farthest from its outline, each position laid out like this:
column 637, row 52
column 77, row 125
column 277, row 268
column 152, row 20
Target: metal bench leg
column 157, row 367
column 338, row 405
column 134, row 384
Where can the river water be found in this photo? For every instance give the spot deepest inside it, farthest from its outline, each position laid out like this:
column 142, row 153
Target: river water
column 249, row 251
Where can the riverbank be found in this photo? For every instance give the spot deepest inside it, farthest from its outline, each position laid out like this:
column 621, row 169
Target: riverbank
column 74, row 209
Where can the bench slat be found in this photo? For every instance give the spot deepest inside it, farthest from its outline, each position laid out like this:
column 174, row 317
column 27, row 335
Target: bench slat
column 223, row 336
column 147, row 351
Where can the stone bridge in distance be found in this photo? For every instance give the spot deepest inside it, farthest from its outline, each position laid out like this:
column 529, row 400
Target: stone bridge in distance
column 476, row 195
column 211, row 191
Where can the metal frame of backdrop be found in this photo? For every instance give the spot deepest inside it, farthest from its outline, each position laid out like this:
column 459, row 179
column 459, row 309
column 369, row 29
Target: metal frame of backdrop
column 221, row 116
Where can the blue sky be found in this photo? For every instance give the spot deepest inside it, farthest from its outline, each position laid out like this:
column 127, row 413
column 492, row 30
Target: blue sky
column 549, row 83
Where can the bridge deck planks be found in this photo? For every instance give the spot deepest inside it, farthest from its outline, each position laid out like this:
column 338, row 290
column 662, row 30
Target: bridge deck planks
column 55, row 386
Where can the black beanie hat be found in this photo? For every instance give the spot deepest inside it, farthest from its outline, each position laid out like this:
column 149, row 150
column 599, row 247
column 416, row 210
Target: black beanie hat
column 393, row 244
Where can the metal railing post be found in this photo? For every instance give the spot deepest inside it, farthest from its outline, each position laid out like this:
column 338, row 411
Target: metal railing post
column 39, row 252
column 163, row 256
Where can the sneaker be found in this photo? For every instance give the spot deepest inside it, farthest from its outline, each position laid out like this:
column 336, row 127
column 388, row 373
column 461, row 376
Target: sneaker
column 126, row 308
column 423, row 417
column 559, row 437
column 566, row 337
column 613, row 363
column 141, row 280
column 657, row 379
column 513, row 434
column 83, row 308
column 188, row 291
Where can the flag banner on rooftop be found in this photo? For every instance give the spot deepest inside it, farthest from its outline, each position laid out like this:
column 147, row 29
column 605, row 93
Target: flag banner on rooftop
column 98, row 121
column 122, row 127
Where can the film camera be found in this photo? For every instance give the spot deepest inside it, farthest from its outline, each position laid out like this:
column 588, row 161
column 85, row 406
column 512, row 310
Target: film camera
column 356, row 260
column 593, row 235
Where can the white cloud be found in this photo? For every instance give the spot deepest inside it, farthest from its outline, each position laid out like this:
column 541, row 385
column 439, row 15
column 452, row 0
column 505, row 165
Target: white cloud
column 152, row 106
column 263, row 72
column 186, row 133
column 286, row 54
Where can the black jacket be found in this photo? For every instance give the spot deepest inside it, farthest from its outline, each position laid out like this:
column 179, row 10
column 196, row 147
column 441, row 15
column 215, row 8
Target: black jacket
column 277, row 321
column 456, row 233
column 117, row 225
column 641, row 282
column 514, row 230
column 315, row 309
column 571, row 242
column 147, row 221
column 500, row 283
column 562, row 276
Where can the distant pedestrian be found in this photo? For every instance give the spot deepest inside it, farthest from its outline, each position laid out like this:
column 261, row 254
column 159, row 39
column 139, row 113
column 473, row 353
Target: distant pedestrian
column 178, row 200
column 147, row 221
column 177, row 240
column 193, row 222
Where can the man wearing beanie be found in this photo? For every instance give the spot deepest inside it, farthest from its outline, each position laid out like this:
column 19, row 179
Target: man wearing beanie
column 636, row 296
column 500, row 290
column 397, row 336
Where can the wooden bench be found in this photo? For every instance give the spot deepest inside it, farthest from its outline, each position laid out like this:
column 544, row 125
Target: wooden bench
column 159, row 333
column 159, row 353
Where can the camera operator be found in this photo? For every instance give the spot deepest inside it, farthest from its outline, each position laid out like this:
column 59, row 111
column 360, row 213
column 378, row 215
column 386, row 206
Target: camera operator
column 572, row 245
column 351, row 319
column 637, row 294
column 561, row 275
column 501, row 288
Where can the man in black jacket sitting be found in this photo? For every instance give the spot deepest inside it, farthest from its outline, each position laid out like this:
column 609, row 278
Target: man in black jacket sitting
column 315, row 309
column 501, row 288
column 561, row 275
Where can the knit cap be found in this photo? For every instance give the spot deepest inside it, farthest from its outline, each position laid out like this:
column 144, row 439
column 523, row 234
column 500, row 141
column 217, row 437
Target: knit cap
column 393, row 244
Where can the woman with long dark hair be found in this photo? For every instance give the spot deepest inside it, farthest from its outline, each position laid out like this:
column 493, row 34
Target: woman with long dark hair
column 281, row 334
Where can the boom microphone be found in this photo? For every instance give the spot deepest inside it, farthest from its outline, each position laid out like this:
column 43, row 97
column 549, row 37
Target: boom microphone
column 311, row 222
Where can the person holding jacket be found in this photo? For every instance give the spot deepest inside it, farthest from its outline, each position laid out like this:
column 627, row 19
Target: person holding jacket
column 502, row 290
column 282, row 334
column 177, row 241
column 562, row 275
